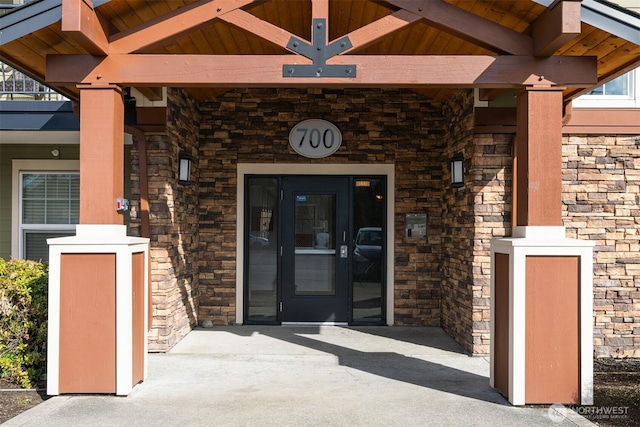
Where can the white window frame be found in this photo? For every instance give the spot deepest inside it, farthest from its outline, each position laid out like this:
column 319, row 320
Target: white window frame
column 32, row 166
column 632, row 100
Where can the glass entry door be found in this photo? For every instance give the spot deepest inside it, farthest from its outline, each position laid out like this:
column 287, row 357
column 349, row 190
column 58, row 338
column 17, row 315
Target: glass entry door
column 315, row 249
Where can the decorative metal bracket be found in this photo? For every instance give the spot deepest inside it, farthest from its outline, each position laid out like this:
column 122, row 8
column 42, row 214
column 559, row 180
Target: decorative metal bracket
column 319, row 52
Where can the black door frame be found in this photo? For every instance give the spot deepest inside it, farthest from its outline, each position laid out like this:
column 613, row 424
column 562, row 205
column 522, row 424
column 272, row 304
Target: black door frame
column 378, row 171
column 323, row 308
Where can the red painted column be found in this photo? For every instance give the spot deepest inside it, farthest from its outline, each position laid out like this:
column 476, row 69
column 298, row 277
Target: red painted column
column 538, row 158
column 101, row 153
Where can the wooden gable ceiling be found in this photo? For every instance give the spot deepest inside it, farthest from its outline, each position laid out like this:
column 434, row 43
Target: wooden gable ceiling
column 408, row 33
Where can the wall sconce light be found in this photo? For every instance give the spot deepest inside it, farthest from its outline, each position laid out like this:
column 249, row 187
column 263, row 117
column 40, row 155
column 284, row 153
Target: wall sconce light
column 457, row 171
column 184, row 168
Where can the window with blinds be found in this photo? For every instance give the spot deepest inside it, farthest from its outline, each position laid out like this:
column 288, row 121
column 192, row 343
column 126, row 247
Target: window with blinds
column 49, row 207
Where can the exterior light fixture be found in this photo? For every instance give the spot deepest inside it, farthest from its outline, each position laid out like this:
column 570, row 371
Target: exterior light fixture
column 184, row 168
column 457, row 171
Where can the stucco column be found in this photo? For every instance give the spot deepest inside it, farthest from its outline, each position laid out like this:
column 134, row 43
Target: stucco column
column 98, row 279
column 538, row 158
column 541, row 282
column 101, row 153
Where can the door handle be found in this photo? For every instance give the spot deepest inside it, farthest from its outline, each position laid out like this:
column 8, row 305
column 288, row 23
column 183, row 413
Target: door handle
column 344, row 251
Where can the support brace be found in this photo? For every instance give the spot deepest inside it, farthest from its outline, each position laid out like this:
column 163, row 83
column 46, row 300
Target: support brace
column 319, row 52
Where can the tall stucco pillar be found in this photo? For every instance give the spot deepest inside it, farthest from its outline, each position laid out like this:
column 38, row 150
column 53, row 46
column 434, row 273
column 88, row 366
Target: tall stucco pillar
column 101, row 153
column 98, row 279
column 541, row 282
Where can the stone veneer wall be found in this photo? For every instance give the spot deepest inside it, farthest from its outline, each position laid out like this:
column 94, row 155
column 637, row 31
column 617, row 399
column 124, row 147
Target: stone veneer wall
column 457, row 222
column 173, row 222
column 601, row 202
column 491, row 178
column 378, row 126
column 601, row 195
column 473, row 215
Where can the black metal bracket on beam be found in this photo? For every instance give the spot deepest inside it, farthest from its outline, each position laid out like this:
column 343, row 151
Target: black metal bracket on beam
column 319, row 52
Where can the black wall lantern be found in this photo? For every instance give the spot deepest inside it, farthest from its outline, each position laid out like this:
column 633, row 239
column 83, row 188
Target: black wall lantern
column 457, row 171
column 184, row 168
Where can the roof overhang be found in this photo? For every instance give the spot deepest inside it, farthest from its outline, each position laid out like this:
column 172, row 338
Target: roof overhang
column 432, row 46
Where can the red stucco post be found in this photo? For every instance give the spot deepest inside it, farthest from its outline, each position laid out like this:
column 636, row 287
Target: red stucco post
column 539, row 278
column 538, row 175
column 100, row 275
column 101, row 153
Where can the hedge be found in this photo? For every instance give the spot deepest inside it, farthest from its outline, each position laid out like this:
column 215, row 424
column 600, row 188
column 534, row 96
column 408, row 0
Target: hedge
column 23, row 321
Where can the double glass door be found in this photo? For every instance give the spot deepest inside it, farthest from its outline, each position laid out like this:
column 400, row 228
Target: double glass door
column 314, row 249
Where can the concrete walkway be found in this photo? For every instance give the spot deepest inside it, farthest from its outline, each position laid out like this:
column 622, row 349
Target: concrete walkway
column 305, row 376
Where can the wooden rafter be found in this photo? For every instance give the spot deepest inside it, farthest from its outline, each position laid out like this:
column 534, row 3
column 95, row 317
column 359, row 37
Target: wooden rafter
column 551, row 30
column 172, row 25
column 373, row 71
column 371, row 33
column 121, row 65
column 360, row 38
column 468, row 26
column 257, row 26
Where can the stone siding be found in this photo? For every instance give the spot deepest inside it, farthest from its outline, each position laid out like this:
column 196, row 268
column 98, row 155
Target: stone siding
column 378, row 126
column 491, row 175
column 457, row 222
column 601, row 195
column 173, row 223
column 473, row 215
column 601, row 202
column 443, row 280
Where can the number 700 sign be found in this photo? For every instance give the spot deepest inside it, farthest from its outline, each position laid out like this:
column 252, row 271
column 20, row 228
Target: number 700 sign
column 315, row 138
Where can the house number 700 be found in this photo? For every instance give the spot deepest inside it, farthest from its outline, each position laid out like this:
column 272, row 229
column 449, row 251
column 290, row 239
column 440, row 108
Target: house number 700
column 315, row 138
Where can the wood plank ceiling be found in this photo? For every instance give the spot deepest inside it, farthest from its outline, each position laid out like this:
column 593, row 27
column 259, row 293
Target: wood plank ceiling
column 219, row 37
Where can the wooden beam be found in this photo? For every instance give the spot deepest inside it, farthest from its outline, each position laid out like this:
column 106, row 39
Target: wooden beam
column 360, row 38
column 371, row 33
column 557, row 26
column 151, row 93
column 489, row 94
column 320, row 10
column 80, row 22
column 257, row 26
column 172, row 25
column 373, row 71
column 468, row 26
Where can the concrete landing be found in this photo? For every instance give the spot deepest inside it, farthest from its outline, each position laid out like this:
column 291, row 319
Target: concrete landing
column 305, row 376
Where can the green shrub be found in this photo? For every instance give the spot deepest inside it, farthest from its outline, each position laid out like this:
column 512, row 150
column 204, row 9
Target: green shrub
column 23, row 321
